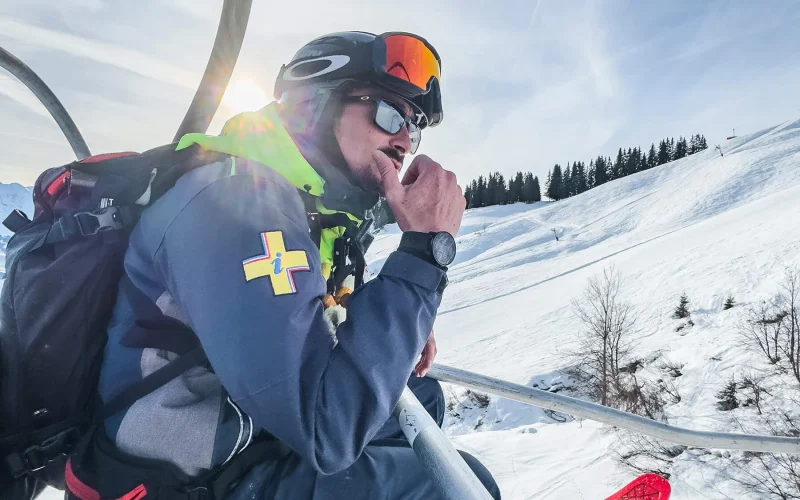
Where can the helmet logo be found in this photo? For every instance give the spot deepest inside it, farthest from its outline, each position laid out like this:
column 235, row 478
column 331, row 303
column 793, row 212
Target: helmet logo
column 300, row 71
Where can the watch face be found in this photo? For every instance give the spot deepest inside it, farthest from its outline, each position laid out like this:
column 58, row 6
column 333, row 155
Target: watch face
column 444, row 248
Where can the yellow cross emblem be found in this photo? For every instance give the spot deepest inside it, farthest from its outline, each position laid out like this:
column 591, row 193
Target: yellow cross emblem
column 276, row 263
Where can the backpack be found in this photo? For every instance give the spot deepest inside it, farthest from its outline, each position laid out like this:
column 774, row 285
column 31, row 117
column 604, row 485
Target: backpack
column 63, row 268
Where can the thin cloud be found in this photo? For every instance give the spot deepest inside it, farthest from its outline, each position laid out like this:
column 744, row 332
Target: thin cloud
column 19, row 93
column 120, row 57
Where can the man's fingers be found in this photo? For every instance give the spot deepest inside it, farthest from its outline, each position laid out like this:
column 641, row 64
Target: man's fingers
column 388, row 173
column 414, row 170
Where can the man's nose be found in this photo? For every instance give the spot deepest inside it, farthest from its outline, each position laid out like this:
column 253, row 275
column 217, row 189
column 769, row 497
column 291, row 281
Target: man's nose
column 401, row 141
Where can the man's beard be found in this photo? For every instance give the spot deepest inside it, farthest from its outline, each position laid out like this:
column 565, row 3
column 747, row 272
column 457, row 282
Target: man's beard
column 369, row 178
column 392, row 154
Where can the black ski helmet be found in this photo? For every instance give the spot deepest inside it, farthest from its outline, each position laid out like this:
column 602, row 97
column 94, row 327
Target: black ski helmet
column 403, row 63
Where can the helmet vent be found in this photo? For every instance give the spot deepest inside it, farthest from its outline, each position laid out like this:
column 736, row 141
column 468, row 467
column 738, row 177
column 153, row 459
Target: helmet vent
column 319, row 66
column 304, row 70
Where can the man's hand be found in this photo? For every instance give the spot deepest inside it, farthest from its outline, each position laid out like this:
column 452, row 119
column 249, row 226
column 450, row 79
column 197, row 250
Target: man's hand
column 428, row 355
column 427, row 200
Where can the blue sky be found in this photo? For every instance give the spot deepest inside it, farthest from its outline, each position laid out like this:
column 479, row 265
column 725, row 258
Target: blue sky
column 526, row 84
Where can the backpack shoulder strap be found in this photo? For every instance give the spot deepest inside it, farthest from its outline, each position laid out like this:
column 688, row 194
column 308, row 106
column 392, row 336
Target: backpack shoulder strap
column 195, row 357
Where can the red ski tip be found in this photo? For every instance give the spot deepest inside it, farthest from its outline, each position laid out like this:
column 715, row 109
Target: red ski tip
column 644, row 487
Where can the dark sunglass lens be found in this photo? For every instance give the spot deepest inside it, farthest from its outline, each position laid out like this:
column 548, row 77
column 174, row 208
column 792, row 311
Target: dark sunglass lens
column 388, row 118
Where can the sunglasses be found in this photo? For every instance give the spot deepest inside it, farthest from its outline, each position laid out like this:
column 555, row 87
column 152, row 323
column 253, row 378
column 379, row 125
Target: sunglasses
column 390, row 118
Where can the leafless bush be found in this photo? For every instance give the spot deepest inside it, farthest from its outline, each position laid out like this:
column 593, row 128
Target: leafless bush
column 478, row 399
column 669, row 391
column 773, row 327
column 755, row 391
column 609, row 323
column 789, row 304
column 769, row 475
column 647, row 454
column 672, row 368
column 761, row 329
column 643, row 398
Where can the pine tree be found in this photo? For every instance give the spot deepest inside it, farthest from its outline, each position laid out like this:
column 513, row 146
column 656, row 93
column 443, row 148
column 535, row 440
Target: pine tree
column 726, row 398
column 527, row 188
column 652, row 158
column 501, row 190
column 671, row 148
column 632, row 161
column 579, row 179
column 566, row 180
column 617, row 170
column 694, row 144
column 682, row 311
column 555, row 188
column 529, row 193
column 513, row 191
column 703, row 143
column 600, row 171
column 547, row 185
column 480, row 199
column 468, row 195
column 729, row 303
column 537, row 192
column 681, row 149
column 572, row 186
column 518, row 181
column 491, row 189
column 663, row 153
column 590, row 174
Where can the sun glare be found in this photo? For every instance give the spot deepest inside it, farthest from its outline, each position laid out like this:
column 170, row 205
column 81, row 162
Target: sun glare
column 244, row 95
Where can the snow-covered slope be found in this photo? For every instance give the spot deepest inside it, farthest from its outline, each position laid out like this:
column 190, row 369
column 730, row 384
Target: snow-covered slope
column 706, row 225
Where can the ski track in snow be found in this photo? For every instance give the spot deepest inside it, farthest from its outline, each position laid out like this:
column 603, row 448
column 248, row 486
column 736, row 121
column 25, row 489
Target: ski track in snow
column 704, row 225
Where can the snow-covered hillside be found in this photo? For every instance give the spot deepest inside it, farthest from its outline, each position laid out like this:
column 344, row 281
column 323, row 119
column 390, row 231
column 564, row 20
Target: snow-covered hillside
column 706, row 225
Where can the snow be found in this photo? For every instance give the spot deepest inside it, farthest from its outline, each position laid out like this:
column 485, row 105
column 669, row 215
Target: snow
column 704, row 225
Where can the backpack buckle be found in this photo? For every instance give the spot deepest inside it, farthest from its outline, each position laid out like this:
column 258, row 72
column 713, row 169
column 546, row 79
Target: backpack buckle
column 199, row 493
column 38, row 457
column 104, row 219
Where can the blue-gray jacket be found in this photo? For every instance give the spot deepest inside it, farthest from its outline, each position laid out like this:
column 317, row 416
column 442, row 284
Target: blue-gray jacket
column 227, row 251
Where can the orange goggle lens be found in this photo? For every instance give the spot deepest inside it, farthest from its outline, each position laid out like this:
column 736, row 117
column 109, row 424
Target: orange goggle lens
column 409, row 59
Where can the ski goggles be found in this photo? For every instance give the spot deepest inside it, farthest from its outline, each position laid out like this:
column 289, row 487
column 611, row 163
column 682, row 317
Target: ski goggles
column 390, row 118
column 403, row 63
column 411, row 59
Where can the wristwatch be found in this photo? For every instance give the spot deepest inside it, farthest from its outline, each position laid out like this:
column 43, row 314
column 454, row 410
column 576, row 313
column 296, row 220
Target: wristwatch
column 437, row 248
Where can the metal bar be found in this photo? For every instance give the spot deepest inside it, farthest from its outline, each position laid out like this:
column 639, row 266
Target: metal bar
column 224, row 54
column 448, row 469
column 48, row 99
column 611, row 416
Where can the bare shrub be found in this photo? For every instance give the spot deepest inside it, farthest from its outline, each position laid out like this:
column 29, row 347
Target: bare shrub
column 672, row 368
column 753, row 387
column 608, row 323
column 773, row 327
column 769, row 475
column 647, row 454
column 480, row 400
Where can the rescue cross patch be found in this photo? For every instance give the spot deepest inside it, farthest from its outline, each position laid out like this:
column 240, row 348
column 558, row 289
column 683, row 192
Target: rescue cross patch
column 276, row 263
